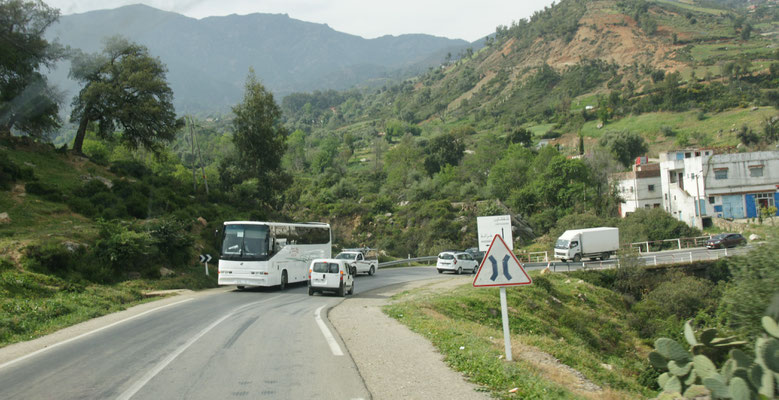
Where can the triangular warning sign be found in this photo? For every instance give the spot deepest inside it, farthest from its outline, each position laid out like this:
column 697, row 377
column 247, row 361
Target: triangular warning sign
column 500, row 267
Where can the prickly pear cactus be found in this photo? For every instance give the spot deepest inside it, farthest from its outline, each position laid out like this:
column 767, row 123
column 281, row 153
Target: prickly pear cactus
column 692, row 373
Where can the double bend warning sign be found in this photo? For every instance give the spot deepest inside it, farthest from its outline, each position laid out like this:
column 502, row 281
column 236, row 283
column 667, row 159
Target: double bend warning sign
column 500, row 267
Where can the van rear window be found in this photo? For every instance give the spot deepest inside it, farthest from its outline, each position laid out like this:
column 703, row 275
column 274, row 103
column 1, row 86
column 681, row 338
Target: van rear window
column 326, row 268
column 446, row 256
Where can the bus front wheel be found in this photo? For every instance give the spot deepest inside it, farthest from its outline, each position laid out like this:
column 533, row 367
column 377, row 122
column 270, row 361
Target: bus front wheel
column 283, row 284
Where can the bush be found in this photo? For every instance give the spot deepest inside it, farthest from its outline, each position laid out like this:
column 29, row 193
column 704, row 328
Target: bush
column 51, row 193
column 755, row 278
column 124, row 250
column 10, row 172
column 172, row 240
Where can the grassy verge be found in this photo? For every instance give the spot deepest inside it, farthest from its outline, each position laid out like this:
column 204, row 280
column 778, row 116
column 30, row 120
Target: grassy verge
column 33, row 305
column 581, row 325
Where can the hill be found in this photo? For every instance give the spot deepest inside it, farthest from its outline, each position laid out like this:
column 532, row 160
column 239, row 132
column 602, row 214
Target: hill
column 208, row 59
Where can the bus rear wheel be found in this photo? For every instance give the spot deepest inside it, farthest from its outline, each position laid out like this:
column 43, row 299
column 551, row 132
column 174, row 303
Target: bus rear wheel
column 283, row 284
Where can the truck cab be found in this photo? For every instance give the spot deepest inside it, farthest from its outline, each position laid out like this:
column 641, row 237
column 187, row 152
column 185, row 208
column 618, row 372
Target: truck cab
column 363, row 259
column 567, row 247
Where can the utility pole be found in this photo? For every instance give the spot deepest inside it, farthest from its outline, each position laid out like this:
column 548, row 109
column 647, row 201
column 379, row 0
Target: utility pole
column 202, row 169
column 192, row 143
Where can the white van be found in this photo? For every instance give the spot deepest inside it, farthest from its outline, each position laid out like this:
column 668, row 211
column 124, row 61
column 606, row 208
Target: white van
column 331, row 275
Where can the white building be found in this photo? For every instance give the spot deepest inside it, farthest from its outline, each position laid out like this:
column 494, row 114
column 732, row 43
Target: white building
column 698, row 184
column 639, row 188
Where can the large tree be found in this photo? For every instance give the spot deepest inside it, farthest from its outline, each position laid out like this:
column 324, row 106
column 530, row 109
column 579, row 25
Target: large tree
column 625, row 145
column 260, row 143
column 124, row 88
column 27, row 103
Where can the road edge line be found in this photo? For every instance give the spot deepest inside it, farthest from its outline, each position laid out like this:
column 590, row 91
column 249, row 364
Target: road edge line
column 335, row 348
column 39, row 351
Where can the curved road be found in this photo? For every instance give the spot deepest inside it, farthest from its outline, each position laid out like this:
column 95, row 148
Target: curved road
column 254, row 344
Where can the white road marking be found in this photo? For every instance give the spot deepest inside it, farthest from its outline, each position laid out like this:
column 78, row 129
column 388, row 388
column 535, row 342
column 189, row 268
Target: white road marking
column 334, row 347
column 89, row 333
column 132, row 390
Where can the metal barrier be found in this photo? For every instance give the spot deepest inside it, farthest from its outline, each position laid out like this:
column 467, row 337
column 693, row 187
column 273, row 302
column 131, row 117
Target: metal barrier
column 659, row 245
column 407, row 261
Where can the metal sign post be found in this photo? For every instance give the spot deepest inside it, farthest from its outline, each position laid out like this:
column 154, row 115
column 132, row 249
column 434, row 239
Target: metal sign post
column 505, row 270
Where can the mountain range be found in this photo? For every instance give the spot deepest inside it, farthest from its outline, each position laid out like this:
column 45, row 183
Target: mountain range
column 208, row 59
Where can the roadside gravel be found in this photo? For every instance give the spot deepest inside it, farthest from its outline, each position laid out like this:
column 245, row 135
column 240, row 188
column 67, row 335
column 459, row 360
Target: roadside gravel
column 394, row 361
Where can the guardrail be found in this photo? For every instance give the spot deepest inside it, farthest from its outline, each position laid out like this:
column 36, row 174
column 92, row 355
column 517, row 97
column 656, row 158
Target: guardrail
column 407, row 261
column 659, row 245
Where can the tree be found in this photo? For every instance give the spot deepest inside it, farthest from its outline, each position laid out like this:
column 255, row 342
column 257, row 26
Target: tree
column 125, row 88
column 260, row 140
column 625, row 145
column 446, row 149
column 27, row 103
column 520, row 135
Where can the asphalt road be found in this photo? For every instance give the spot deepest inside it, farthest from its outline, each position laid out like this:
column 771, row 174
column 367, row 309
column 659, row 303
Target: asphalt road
column 254, row 344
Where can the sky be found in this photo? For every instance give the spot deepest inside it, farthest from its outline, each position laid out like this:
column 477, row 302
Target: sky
column 454, row 19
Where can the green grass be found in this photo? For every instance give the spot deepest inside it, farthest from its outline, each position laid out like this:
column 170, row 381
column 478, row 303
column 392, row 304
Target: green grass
column 692, row 7
column 33, row 305
column 581, row 325
column 539, row 130
column 649, row 125
column 730, row 51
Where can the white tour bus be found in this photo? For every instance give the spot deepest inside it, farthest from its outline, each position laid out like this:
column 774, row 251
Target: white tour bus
column 270, row 253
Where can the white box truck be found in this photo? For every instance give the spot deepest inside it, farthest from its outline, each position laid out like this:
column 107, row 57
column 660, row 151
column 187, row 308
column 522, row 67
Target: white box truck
column 591, row 243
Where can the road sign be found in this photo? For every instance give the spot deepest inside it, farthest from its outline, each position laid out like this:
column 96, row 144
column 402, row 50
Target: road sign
column 490, row 226
column 205, row 258
column 500, row 267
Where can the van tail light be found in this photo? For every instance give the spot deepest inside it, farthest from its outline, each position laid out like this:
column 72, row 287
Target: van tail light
column 309, row 274
column 455, row 261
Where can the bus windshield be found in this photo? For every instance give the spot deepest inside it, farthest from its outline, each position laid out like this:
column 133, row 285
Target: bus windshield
column 245, row 242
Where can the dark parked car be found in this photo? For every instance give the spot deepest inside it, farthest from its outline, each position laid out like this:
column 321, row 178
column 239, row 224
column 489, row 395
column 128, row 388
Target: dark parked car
column 476, row 254
column 724, row 240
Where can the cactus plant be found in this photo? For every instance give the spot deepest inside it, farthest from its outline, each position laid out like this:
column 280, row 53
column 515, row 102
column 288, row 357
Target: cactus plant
column 692, row 373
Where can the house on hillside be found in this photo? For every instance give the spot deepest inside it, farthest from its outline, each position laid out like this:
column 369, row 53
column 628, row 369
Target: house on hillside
column 695, row 185
column 639, row 188
column 699, row 184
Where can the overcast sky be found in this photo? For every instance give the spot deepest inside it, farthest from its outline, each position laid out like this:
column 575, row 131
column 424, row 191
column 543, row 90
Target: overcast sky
column 454, row 19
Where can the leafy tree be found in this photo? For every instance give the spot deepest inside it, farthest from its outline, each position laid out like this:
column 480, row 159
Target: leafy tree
column 260, row 142
column 520, row 135
column 746, row 32
column 446, row 149
column 27, row 103
column 124, row 87
column 625, row 145
column 400, row 162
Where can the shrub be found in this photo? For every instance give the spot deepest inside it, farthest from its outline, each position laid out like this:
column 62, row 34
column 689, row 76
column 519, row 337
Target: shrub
column 123, row 249
column 172, row 240
column 755, row 278
column 51, row 193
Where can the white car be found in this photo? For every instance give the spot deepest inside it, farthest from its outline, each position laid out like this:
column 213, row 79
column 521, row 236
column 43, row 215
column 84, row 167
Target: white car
column 331, row 275
column 456, row 262
column 359, row 259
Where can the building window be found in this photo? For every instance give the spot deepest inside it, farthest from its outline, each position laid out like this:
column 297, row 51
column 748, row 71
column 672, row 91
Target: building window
column 631, row 189
column 711, row 199
column 651, row 188
column 764, row 200
column 646, row 206
column 657, row 205
column 721, row 173
column 756, row 171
